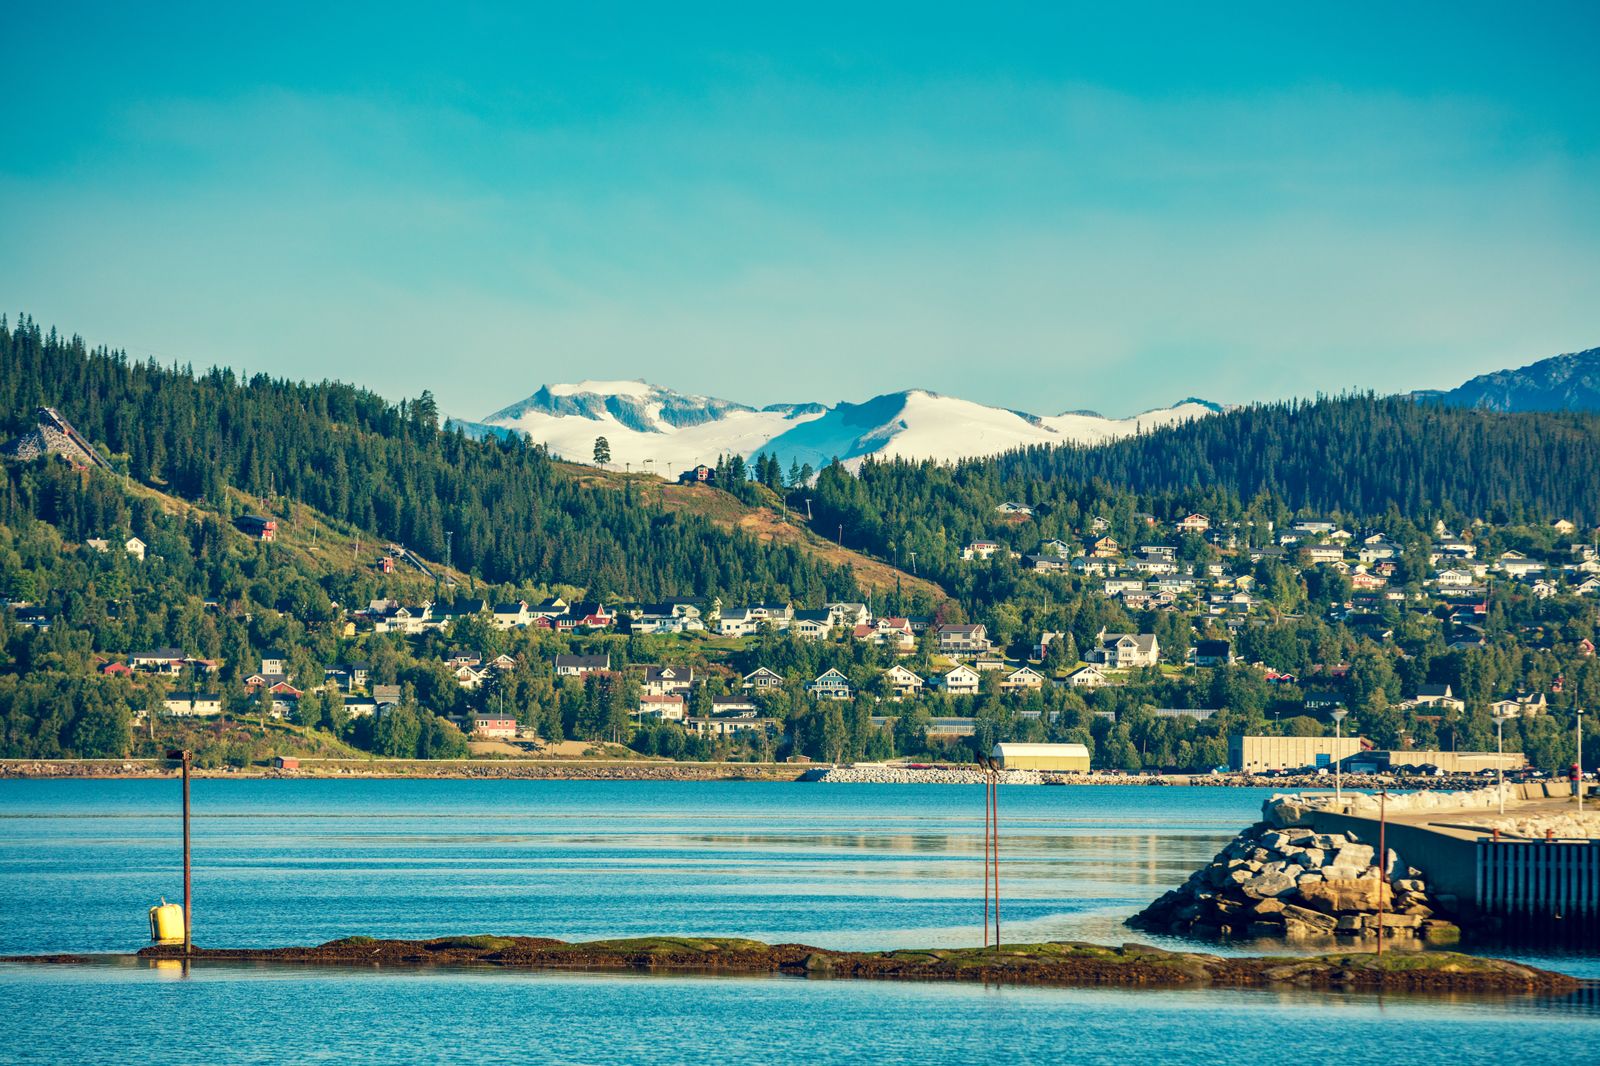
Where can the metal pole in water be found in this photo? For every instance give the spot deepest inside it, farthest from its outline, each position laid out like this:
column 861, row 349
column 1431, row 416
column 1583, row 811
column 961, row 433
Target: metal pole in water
column 994, row 802
column 985, row 855
column 1383, row 860
column 188, row 895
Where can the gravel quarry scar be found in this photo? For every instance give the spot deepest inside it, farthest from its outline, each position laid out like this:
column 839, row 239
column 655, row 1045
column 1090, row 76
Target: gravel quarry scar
column 1055, row 963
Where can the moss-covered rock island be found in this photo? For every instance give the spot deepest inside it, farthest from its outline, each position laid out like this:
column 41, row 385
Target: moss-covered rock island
column 1054, row 963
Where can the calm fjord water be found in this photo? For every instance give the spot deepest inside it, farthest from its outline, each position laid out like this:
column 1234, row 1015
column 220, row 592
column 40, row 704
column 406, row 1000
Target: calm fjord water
column 839, row 866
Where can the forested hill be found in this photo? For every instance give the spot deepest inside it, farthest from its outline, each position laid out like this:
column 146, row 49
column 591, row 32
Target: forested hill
column 389, row 469
column 1358, row 455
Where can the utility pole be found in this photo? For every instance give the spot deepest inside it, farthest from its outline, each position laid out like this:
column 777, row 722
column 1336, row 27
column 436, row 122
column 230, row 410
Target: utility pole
column 808, row 508
column 448, row 535
column 913, row 563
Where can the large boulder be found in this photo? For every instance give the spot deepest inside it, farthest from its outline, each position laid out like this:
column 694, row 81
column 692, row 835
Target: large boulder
column 1353, row 855
column 1344, row 896
column 1310, row 917
column 1269, row 883
column 1286, row 812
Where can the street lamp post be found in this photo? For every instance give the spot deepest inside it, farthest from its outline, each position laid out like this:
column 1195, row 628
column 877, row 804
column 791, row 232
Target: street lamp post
column 1500, row 721
column 1338, row 746
column 1580, row 760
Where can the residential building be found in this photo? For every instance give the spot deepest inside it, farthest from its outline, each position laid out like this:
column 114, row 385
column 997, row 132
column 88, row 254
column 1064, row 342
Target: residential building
column 664, row 708
column 1087, row 677
column 830, row 685
column 812, row 625
column 1022, row 678
column 762, row 678
column 193, row 704
column 157, row 661
column 902, row 682
column 961, row 681
column 1125, row 650
column 494, row 725
column 963, row 639
column 1213, row 653
column 1435, row 696
column 667, row 680
column 580, row 665
column 980, row 549
column 512, row 615
column 1525, row 704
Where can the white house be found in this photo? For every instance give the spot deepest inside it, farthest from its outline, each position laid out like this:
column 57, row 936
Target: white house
column 963, row 680
column 193, row 704
column 1022, row 678
column 1125, row 650
column 1086, row 677
column 902, row 682
column 667, row 680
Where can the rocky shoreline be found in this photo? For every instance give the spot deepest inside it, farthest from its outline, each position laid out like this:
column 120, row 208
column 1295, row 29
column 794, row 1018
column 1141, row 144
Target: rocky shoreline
column 662, row 770
column 1054, row 963
column 462, row 769
column 1280, row 879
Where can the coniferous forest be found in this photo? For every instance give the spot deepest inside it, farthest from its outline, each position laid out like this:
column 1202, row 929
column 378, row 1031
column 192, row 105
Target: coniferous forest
column 388, row 468
column 521, row 523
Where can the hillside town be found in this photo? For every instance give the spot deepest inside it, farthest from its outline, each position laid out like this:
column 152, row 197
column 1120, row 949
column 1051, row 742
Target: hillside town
column 704, row 678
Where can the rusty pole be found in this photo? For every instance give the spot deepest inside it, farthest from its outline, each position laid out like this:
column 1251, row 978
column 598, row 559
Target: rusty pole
column 995, row 804
column 1383, row 859
column 985, row 856
column 188, row 896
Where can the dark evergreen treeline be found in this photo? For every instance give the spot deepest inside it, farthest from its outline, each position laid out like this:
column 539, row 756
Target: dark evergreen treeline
column 1354, row 459
column 1362, row 455
column 512, row 513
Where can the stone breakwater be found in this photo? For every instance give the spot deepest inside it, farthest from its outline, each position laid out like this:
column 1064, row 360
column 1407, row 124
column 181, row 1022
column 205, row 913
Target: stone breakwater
column 1280, row 879
column 1284, row 811
column 898, row 775
column 496, row 769
column 1568, row 826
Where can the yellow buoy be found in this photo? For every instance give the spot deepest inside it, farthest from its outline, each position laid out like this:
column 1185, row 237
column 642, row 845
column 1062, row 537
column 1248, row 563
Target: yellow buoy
column 166, row 923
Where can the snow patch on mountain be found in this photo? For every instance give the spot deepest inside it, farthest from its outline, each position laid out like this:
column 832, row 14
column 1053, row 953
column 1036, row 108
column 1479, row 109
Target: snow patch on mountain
column 654, row 428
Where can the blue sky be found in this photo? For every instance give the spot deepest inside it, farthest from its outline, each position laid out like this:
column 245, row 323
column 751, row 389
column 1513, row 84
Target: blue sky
column 1041, row 209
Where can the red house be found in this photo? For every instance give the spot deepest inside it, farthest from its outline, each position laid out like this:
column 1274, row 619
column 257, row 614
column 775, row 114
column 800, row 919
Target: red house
column 256, row 526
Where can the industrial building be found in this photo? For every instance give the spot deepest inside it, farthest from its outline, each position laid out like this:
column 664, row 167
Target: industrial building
column 1068, row 758
column 1451, row 762
column 1256, row 754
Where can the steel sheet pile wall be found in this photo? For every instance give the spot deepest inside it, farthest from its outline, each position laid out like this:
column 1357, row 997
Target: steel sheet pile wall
column 1539, row 879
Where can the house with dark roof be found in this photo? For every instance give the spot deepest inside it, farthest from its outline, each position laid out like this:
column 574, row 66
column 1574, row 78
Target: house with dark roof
column 580, row 665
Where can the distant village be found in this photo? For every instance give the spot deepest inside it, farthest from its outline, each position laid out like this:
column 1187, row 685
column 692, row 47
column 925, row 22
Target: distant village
column 1217, row 587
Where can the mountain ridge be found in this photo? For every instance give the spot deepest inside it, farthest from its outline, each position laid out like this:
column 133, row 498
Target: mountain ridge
column 650, row 424
column 1567, row 382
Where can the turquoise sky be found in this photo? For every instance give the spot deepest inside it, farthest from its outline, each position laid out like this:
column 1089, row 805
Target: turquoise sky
column 1045, row 208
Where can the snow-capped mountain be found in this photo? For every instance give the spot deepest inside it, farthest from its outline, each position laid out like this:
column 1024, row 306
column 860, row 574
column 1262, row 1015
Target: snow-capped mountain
column 671, row 431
